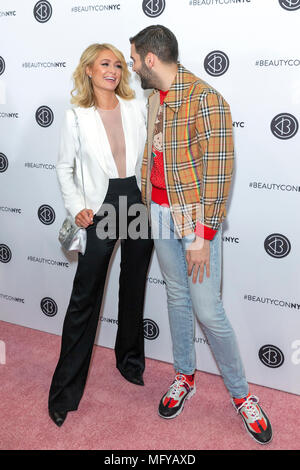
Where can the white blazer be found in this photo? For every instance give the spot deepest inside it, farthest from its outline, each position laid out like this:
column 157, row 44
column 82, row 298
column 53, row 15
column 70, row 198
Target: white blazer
column 97, row 160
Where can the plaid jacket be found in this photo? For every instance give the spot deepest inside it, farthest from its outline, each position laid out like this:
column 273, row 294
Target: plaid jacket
column 198, row 154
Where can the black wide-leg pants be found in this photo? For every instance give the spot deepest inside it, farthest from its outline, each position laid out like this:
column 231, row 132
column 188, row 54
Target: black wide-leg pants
column 81, row 321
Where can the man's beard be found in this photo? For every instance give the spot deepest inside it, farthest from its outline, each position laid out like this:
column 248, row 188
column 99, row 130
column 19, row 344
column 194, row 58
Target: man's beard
column 148, row 78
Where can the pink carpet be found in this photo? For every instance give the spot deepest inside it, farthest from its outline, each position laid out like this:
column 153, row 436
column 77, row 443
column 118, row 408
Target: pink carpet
column 116, row 415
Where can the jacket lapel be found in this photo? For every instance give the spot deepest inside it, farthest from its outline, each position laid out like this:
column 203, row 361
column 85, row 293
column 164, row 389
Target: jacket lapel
column 130, row 130
column 179, row 88
column 94, row 134
column 154, row 102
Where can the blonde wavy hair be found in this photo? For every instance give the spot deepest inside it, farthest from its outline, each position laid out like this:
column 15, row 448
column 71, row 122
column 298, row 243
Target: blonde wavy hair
column 83, row 93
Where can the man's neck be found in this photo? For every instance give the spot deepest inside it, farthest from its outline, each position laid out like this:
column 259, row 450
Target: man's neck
column 167, row 76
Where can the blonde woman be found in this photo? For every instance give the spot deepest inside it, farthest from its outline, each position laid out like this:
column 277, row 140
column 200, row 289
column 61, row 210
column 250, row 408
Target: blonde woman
column 112, row 139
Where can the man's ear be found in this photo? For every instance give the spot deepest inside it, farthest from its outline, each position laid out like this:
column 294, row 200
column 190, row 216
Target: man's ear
column 150, row 60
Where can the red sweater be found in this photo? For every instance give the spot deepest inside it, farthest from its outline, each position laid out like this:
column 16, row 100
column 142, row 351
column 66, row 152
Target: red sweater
column 157, row 178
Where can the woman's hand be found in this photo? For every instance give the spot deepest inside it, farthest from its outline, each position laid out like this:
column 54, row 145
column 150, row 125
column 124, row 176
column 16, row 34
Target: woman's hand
column 84, row 218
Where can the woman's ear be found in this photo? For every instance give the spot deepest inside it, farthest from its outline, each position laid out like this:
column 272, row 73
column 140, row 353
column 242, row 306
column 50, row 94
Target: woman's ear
column 88, row 71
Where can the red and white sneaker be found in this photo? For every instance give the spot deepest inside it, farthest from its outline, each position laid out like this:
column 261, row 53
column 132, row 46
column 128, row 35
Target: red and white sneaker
column 172, row 402
column 255, row 420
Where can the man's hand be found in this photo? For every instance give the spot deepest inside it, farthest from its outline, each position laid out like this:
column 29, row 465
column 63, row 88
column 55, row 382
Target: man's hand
column 198, row 258
column 84, row 218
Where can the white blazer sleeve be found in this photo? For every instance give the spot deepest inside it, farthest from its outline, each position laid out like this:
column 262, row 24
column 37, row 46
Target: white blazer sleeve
column 142, row 107
column 66, row 165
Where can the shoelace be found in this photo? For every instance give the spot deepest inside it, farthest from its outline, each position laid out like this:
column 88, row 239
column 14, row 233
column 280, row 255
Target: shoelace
column 251, row 409
column 176, row 386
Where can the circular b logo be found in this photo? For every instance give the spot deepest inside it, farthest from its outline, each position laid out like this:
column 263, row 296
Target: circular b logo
column 5, row 254
column 284, row 126
column 49, row 307
column 2, row 65
column 153, row 8
column 3, row 163
column 271, row 356
column 277, row 245
column 42, row 11
column 151, row 330
column 46, row 214
column 216, row 63
column 44, row 116
column 290, row 5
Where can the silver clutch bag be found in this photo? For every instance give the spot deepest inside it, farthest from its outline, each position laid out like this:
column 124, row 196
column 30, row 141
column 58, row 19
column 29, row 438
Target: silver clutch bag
column 72, row 237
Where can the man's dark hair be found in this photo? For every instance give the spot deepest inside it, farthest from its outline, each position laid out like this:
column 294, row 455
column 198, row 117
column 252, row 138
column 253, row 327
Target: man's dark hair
column 159, row 40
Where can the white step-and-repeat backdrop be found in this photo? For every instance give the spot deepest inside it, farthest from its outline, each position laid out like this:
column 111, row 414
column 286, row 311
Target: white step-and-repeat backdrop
column 249, row 51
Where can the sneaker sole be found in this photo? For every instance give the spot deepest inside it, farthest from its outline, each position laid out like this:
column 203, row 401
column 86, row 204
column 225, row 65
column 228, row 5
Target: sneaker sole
column 182, row 406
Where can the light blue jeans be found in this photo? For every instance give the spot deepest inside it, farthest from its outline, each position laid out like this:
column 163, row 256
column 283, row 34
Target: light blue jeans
column 185, row 298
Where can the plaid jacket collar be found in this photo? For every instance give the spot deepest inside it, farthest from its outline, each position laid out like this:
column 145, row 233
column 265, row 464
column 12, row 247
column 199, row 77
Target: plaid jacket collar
column 179, row 88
